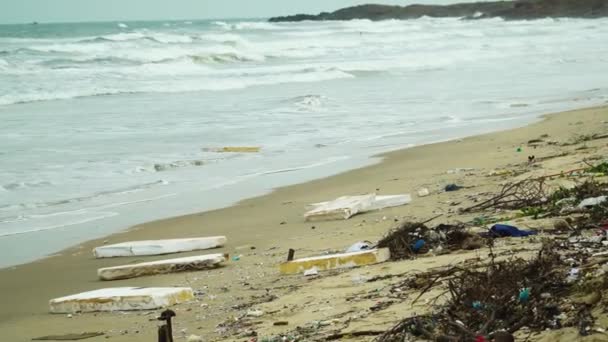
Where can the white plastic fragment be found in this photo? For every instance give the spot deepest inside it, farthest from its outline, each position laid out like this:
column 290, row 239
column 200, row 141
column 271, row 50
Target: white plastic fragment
column 311, row 272
column 459, row 170
column 591, row 202
column 198, row 262
column 121, row 299
column 255, row 313
column 423, row 192
column 158, row 247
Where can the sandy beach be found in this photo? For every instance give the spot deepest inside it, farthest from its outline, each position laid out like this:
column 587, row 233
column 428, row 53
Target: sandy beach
column 261, row 230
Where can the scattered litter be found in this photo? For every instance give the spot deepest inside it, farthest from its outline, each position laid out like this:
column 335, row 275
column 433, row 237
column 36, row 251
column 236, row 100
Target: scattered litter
column 311, row 272
column 502, row 172
column 423, row 192
column 193, row 263
column 255, row 313
column 194, row 338
column 418, row 245
column 524, row 295
column 359, row 246
column 341, row 208
column 358, row 279
column 573, row 275
column 463, row 317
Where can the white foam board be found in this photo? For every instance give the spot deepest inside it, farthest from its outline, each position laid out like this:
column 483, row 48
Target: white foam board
column 193, row 263
column 121, row 299
column 158, row 247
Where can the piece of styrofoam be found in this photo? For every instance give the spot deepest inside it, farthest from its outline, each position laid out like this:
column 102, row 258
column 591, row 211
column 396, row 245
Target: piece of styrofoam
column 591, row 202
column 382, row 202
column 334, row 261
column 158, row 247
column 193, row 263
column 121, row 299
column 341, row 208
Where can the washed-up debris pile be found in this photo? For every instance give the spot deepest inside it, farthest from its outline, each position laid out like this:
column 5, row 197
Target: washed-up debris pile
column 413, row 238
column 484, row 301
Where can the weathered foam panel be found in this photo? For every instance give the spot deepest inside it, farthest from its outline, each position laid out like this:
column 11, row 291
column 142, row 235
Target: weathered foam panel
column 121, row 299
column 158, row 247
column 341, row 208
column 343, row 260
column 193, row 263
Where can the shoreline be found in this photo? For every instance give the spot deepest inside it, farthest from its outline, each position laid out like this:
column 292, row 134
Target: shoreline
column 258, row 221
column 228, row 196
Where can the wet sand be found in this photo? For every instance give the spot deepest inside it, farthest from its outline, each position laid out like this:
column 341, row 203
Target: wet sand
column 272, row 224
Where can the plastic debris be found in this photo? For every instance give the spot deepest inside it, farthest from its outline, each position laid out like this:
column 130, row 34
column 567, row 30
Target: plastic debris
column 334, row 261
column 341, row 208
column 198, row 262
column 359, row 246
column 311, row 272
column 452, row 187
column 503, row 230
column 459, row 170
column 69, row 337
column 122, row 299
column 194, row 338
column 418, row 245
column 158, row 247
column 255, row 313
column 234, row 149
column 344, row 207
column 591, row 202
column 423, row 192
column 524, row 295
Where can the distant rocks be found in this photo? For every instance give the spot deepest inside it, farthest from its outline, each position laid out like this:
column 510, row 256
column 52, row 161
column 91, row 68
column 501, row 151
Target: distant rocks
column 509, row 10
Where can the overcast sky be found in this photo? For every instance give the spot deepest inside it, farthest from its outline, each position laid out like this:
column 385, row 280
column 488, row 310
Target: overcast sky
column 24, row 11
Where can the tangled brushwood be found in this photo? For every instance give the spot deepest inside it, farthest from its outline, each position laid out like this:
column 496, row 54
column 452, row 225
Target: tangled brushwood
column 499, row 298
column 526, row 193
column 412, row 238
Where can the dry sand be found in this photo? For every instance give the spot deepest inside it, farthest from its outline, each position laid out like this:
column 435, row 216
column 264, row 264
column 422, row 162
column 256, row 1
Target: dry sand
column 273, row 223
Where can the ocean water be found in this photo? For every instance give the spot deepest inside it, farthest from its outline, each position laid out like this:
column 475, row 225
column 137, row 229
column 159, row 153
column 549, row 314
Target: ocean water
column 106, row 125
